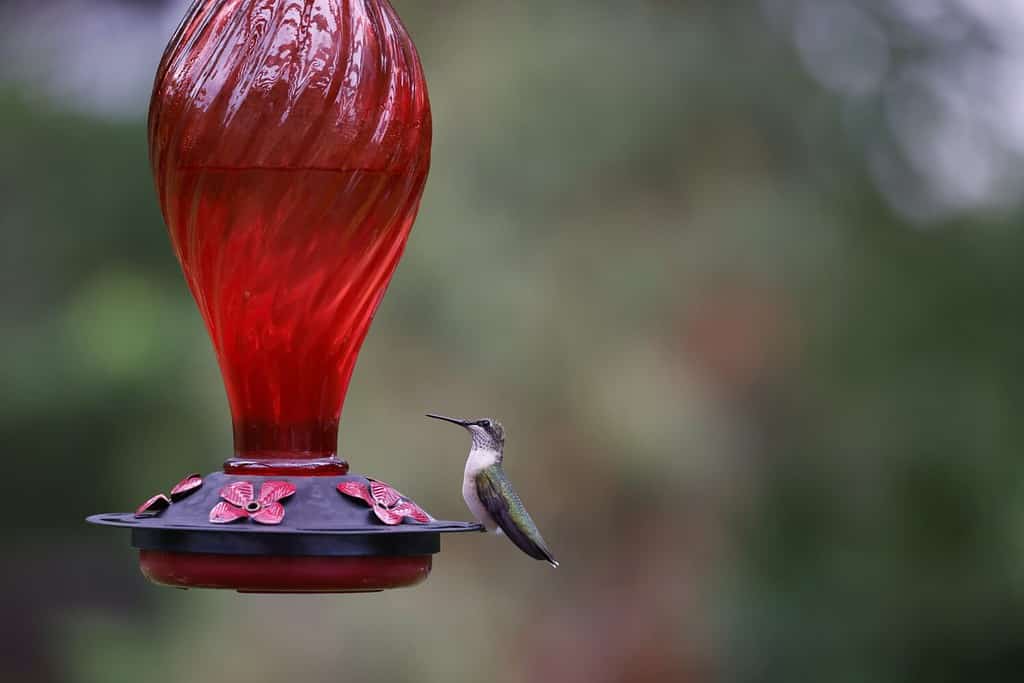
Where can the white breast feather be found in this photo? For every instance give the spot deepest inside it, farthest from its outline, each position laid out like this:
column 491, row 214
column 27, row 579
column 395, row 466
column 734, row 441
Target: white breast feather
column 479, row 459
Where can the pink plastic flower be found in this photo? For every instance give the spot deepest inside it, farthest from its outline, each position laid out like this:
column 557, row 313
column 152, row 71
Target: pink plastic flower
column 390, row 506
column 185, row 487
column 160, row 502
column 240, row 502
column 154, row 506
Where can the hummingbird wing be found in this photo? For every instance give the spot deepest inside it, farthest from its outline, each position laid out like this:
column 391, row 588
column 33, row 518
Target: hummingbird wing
column 502, row 502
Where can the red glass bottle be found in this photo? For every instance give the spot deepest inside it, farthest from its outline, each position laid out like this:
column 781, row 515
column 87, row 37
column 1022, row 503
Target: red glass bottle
column 290, row 142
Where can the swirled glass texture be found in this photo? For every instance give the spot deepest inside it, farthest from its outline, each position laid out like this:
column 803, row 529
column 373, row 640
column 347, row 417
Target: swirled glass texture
column 290, row 143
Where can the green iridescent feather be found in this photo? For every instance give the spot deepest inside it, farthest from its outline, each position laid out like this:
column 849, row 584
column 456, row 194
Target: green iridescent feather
column 503, row 503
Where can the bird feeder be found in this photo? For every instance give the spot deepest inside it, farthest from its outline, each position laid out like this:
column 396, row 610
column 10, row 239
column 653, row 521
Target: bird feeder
column 290, row 144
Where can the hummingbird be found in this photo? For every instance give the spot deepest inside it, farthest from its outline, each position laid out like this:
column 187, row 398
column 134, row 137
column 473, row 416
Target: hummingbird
column 488, row 492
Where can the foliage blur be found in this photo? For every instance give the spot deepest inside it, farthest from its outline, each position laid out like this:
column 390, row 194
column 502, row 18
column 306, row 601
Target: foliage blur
column 739, row 279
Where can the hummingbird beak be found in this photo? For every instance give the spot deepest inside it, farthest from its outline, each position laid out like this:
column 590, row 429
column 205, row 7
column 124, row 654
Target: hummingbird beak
column 454, row 421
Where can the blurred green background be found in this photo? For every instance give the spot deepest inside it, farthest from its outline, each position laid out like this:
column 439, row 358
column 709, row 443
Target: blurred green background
column 741, row 280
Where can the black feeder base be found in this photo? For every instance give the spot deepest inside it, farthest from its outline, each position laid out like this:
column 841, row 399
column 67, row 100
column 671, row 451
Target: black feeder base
column 327, row 541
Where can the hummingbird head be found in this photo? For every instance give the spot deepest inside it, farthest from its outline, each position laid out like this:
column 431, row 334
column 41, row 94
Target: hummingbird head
column 487, row 433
